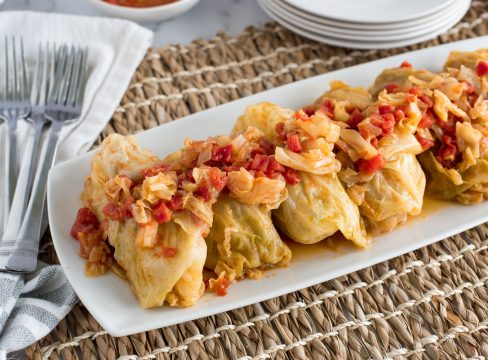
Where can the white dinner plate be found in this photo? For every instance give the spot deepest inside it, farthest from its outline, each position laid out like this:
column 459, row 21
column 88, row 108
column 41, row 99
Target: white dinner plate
column 110, row 300
column 364, row 44
column 360, row 26
column 368, row 35
column 371, row 11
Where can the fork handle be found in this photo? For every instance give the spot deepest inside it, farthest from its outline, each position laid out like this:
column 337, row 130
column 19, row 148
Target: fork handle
column 24, row 256
column 10, row 163
column 24, row 182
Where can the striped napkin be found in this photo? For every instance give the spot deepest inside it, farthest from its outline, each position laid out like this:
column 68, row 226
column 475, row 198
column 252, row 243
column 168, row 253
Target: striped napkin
column 32, row 305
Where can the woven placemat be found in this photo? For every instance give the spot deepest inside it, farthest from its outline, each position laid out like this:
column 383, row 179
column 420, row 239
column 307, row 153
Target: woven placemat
column 431, row 303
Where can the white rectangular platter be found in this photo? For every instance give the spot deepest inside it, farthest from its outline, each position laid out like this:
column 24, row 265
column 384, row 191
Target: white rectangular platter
column 109, row 299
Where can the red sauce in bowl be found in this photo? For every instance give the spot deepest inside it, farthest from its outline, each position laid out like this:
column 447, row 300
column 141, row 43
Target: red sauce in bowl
column 140, row 3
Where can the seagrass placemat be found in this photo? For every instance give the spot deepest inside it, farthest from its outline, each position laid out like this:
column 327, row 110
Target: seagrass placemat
column 431, row 303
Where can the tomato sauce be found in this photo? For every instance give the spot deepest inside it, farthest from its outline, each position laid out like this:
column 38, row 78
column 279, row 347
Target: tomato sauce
column 140, row 3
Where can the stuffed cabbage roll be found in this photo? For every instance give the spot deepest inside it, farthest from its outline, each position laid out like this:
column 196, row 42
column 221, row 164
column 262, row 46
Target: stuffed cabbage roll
column 456, row 162
column 453, row 130
column 377, row 149
column 317, row 205
column 153, row 216
column 397, row 79
column 242, row 240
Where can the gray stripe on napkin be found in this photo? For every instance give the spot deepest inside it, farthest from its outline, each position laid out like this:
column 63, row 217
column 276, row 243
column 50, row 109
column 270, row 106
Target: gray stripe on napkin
column 31, row 307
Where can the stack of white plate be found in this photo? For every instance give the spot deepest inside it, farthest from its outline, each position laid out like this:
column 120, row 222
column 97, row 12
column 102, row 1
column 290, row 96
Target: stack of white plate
column 367, row 24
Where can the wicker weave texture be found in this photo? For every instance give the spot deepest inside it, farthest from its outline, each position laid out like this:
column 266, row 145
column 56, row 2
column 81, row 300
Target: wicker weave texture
column 428, row 304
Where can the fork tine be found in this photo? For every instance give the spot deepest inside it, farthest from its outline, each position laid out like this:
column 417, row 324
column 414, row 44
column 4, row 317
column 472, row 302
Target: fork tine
column 47, row 66
column 36, row 78
column 75, row 83
column 60, row 64
column 25, row 91
column 83, row 79
column 51, row 69
column 68, row 77
column 42, row 86
column 6, row 72
column 15, row 77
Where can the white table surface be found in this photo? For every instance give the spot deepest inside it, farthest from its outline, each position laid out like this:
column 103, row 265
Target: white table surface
column 204, row 20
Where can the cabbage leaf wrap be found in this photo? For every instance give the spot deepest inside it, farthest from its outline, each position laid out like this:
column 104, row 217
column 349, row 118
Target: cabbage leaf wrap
column 318, row 206
column 395, row 190
column 154, row 279
column 399, row 76
column 468, row 187
column 393, row 193
column 243, row 240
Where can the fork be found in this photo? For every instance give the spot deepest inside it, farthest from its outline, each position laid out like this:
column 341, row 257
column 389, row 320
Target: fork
column 44, row 71
column 64, row 106
column 14, row 106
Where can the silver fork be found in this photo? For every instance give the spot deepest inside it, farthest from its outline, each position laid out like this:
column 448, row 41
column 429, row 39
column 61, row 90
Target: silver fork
column 14, row 105
column 44, row 71
column 63, row 107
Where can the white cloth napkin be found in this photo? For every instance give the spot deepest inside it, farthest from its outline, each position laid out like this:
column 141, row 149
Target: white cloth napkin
column 115, row 48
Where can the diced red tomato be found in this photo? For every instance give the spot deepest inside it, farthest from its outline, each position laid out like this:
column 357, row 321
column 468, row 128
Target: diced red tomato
column 203, row 191
column 449, row 126
column 301, row 115
column 448, row 152
column 469, row 88
column 405, row 64
column 482, row 68
column 399, row 115
column 309, row 111
column 329, row 104
column 120, row 211
column 354, row 119
column 112, row 211
column 472, row 99
column 386, row 123
column 245, row 164
column 222, row 153
column 176, row 203
column 424, row 142
column 414, row 90
column 391, row 88
column 161, row 213
column 427, row 100
column 260, row 163
column 217, row 179
column 327, row 108
column 221, row 285
column 280, row 130
column 86, row 221
column 384, row 109
column 291, row 176
column 374, row 142
column 274, row 166
column 266, row 146
column 372, row 165
column 293, row 143
column 156, row 169
column 427, row 121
